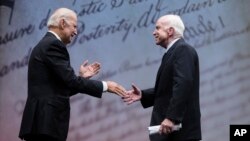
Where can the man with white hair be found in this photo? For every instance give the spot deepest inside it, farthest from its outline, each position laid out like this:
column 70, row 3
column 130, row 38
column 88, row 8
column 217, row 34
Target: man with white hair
column 175, row 96
column 52, row 80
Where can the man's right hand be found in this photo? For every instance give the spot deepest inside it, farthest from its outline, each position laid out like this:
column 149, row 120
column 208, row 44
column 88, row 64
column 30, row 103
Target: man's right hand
column 115, row 88
column 133, row 95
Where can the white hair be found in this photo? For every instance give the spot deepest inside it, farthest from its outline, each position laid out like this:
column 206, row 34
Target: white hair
column 59, row 14
column 176, row 22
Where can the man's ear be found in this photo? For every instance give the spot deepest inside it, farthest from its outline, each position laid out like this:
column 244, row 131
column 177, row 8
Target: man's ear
column 171, row 31
column 62, row 24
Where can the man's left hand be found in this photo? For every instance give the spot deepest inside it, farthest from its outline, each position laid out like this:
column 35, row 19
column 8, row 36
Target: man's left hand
column 166, row 126
column 87, row 71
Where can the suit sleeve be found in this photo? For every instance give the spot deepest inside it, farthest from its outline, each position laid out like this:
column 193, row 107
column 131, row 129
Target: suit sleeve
column 147, row 99
column 57, row 58
column 183, row 77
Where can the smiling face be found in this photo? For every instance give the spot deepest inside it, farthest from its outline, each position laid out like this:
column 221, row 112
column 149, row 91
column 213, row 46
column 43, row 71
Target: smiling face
column 63, row 22
column 69, row 28
column 165, row 30
column 161, row 33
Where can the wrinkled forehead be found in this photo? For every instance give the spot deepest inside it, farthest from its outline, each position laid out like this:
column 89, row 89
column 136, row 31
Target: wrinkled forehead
column 161, row 22
column 73, row 18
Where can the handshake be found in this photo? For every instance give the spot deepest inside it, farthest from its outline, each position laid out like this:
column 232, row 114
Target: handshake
column 129, row 97
column 87, row 71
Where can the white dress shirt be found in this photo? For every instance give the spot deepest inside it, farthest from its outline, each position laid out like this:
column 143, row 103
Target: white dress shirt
column 171, row 44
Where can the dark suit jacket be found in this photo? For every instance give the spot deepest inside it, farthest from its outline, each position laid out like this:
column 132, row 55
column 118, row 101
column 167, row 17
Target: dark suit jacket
column 176, row 93
column 51, row 81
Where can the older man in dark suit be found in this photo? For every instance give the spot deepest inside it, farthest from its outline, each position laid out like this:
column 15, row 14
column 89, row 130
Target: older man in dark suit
column 175, row 96
column 52, row 80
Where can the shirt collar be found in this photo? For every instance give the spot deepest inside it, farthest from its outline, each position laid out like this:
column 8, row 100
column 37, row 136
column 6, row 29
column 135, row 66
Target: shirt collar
column 55, row 35
column 171, row 44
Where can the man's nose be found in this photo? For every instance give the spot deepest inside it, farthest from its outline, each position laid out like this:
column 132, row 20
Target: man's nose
column 154, row 32
column 75, row 33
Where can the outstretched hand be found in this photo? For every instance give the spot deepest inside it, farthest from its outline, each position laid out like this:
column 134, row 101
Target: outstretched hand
column 133, row 95
column 115, row 88
column 87, row 71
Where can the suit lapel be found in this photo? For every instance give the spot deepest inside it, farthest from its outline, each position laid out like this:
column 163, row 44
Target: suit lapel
column 165, row 60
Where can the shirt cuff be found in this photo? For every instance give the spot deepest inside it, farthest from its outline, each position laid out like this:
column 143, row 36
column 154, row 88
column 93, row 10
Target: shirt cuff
column 105, row 86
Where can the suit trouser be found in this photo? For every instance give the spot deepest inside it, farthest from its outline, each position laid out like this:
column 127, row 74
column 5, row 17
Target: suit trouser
column 40, row 138
column 158, row 137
